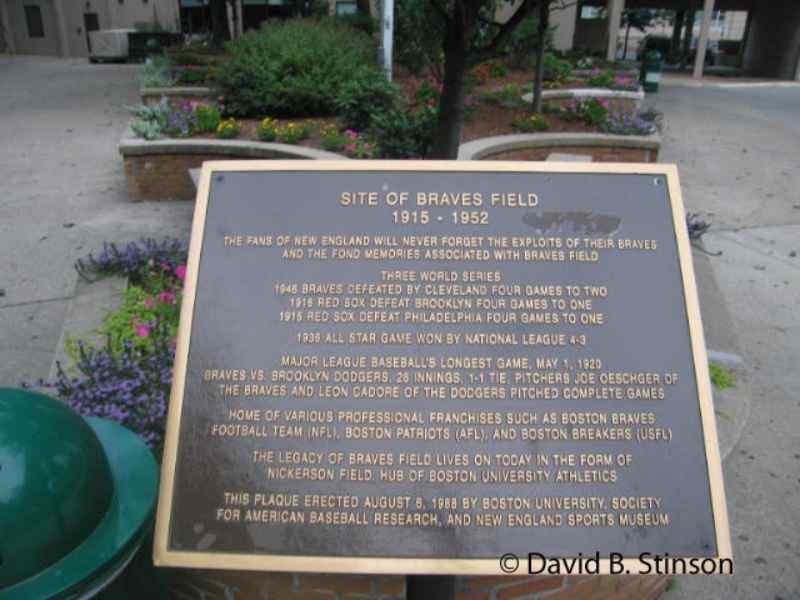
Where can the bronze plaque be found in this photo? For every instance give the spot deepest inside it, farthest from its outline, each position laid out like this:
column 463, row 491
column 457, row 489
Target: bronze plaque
column 420, row 367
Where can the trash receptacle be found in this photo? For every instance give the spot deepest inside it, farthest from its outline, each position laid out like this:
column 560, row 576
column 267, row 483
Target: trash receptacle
column 78, row 498
column 652, row 65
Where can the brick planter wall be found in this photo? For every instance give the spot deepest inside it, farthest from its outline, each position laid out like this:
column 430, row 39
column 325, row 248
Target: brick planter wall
column 243, row 585
column 159, row 170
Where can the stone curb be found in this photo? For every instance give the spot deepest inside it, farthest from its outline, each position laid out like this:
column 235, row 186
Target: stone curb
column 130, row 145
column 637, row 96
column 731, row 406
column 169, row 92
column 483, row 147
column 87, row 309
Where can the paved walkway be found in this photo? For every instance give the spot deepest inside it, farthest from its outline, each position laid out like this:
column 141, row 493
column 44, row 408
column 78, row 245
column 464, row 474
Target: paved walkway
column 737, row 151
column 63, row 193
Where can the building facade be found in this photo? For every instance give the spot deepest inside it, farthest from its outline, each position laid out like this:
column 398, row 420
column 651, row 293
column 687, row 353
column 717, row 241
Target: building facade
column 61, row 27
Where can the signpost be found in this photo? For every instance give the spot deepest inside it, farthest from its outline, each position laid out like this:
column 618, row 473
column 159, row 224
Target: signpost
column 422, row 367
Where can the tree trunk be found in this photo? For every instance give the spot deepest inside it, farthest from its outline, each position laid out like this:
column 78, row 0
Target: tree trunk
column 451, row 104
column 687, row 37
column 625, row 47
column 220, row 32
column 538, row 78
column 675, row 44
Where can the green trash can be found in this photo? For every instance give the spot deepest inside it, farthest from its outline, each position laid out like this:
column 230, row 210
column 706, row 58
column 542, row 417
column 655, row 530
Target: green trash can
column 76, row 502
column 652, row 66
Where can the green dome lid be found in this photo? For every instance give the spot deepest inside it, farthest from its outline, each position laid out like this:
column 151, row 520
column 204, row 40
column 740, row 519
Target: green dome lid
column 55, row 483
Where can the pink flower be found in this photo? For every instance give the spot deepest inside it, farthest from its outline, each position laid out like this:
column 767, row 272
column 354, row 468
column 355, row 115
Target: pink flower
column 148, row 302
column 180, row 272
column 166, row 297
column 142, row 331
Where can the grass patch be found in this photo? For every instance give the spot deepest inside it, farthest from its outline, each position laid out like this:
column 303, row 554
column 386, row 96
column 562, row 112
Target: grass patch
column 721, row 378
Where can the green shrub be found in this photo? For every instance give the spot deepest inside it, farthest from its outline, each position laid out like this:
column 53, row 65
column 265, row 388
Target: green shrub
column 157, row 72
column 524, row 42
column 296, row 67
column 228, row 129
column 365, row 94
column 498, row 70
column 555, row 68
column 404, row 133
column 292, row 132
column 267, row 130
column 191, row 76
column 208, row 118
column 509, row 96
column 331, row 138
column 603, row 79
column 134, row 320
column 360, row 21
column 418, row 32
column 530, row 123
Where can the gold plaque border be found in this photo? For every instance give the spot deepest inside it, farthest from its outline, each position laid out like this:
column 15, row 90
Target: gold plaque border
column 164, row 557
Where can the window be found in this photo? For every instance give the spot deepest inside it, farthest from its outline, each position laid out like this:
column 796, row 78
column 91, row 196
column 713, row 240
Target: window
column 346, row 8
column 33, row 18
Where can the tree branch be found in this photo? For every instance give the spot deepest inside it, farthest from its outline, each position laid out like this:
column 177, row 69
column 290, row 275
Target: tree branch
column 506, row 30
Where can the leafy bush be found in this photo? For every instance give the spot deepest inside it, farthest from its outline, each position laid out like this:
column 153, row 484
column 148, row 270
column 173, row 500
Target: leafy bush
column 181, row 120
column 295, row 67
column 332, row 139
column 551, row 107
column 360, row 21
column 356, row 146
column 228, row 129
column 661, row 43
column 509, row 96
column 142, row 318
column 530, row 123
column 267, row 130
column 604, row 79
column 591, row 111
column 555, row 68
column 148, row 130
column 524, row 42
column 156, row 72
column 292, row 132
column 418, row 33
column 191, row 76
column 404, row 133
column 208, row 118
column 365, row 94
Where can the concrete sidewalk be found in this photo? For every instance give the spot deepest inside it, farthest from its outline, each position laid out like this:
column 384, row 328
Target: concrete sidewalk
column 63, row 195
column 737, row 152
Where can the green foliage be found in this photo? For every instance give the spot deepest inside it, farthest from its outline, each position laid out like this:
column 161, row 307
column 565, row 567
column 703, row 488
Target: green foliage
column 509, row 96
column 208, row 118
column 721, row 377
column 551, row 107
column 662, row 43
column 267, row 130
column 591, row 111
column 136, row 319
column 156, row 72
column 524, row 42
column 366, row 94
column 418, row 34
column 360, row 21
column 292, row 132
column 404, row 133
column 295, row 67
column 191, row 76
column 148, row 130
column 331, row 138
column 604, row 79
column 530, row 124
column 498, row 70
column 555, row 68
column 228, row 129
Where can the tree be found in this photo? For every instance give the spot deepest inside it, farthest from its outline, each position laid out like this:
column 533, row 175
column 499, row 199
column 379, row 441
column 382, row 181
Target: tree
column 470, row 36
column 636, row 18
column 543, row 26
column 220, row 32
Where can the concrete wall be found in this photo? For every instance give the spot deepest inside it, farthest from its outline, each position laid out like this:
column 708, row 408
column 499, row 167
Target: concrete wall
column 111, row 14
column 773, row 45
column 562, row 19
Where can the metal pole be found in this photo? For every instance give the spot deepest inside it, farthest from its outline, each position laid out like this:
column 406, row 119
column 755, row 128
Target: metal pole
column 388, row 36
column 430, row 587
column 702, row 43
